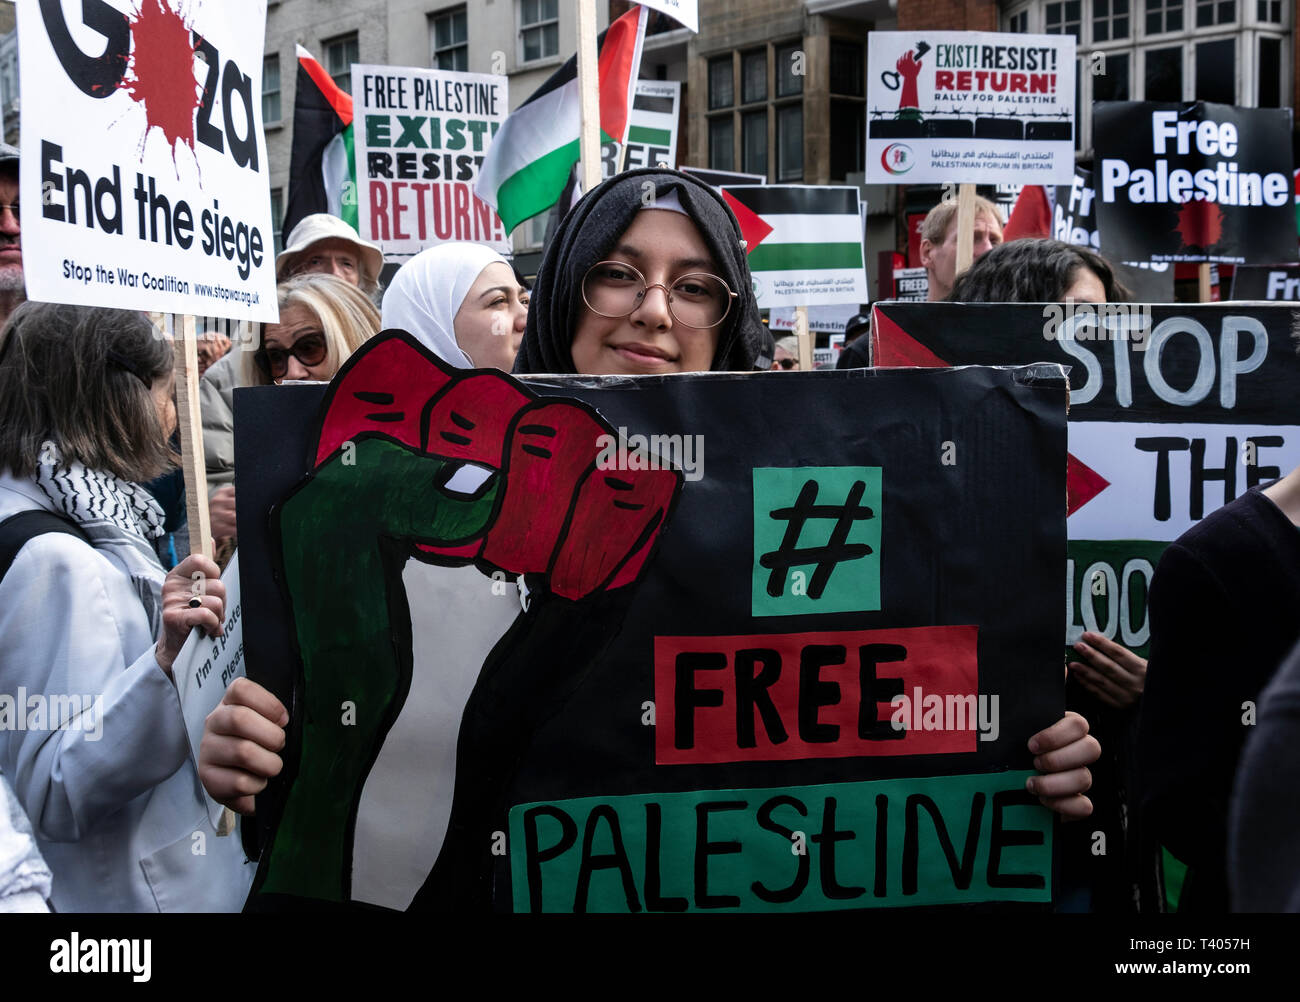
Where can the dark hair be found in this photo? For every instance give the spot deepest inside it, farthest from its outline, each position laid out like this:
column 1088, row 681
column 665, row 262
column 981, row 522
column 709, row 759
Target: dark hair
column 80, row 378
column 1033, row 271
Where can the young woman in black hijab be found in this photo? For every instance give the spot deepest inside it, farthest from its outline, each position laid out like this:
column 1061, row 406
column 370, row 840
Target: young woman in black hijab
column 646, row 274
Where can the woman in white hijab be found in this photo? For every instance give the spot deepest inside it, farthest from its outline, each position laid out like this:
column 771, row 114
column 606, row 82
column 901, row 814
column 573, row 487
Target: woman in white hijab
column 463, row 302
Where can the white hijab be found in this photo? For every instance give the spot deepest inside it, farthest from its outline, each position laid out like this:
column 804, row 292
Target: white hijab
column 426, row 294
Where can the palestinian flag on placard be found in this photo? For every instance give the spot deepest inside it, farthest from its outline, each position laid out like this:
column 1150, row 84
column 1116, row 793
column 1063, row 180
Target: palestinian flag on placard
column 656, row 120
column 528, row 163
column 322, row 172
column 798, row 228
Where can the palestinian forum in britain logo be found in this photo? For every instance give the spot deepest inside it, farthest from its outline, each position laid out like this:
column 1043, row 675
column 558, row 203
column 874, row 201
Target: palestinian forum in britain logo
column 897, row 158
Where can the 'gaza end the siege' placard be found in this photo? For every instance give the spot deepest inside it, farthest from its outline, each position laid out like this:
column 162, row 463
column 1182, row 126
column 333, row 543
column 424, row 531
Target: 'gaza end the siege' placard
column 143, row 146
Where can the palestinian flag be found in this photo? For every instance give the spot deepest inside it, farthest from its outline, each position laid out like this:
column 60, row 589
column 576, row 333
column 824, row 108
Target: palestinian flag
column 1031, row 216
column 322, row 172
column 528, row 163
column 804, row 242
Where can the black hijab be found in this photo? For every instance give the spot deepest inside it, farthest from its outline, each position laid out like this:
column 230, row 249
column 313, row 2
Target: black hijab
column 589, row 232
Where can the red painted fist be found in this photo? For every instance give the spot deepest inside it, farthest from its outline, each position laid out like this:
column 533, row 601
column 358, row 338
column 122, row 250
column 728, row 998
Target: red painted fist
column 557, row 514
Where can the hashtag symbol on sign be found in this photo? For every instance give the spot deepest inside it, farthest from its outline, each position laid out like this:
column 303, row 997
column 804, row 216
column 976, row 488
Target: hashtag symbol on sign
column 837, row 549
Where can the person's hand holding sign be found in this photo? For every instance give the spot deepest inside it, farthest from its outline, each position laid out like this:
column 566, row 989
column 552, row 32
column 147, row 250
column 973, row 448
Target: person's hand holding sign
column 192, row 595
column 1108, row 670
column 1062, row 753
column 242, row 739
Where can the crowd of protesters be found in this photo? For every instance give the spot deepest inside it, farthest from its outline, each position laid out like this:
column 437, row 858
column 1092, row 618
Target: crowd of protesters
column 88, row 607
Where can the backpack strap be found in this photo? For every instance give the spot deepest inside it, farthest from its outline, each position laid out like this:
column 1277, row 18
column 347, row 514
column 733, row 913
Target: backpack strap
column 16, row 530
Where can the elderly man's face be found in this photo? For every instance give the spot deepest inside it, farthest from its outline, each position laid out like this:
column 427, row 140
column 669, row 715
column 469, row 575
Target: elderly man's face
column 11, row 252
column 940, row 260
column 334, row 256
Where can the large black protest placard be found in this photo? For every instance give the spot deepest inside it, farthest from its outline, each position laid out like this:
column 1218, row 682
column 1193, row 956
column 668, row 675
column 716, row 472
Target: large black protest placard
column 1194, row 182
column 1174, row 411
column 770, row 675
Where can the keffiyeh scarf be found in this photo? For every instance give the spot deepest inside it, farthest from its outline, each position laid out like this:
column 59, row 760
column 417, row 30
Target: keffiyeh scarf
column 120, row 518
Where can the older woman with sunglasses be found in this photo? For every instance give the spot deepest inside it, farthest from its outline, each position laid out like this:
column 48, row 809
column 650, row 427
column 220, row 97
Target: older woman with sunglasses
column 323, row 320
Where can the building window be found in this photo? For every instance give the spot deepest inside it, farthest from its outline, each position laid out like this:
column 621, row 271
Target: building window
column 848, row 70
column 539, row 29
column 1063, row 17
column 848, row 123
column 1164, row 74
column 722, row 143
column 1216, row 71
column 1269, row 11
column 790, row 61
column 340, row 54
column 789, row 142
column 1111, row 84
column 271, row 90
column 753, row 141
column 449, row 40
column 722, row 84
column 1109, row 20
column 1270, row 73
column 752, row 93
column 753, row 76
column 849, row 127
column 1226, row 51
column 1212, row 12
column 1164, row 16
column 277, row 218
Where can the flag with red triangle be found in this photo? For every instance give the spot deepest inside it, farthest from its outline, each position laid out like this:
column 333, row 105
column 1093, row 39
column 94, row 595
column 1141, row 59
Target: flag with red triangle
column 804, row 242
column 530, row 159
column 322, row 172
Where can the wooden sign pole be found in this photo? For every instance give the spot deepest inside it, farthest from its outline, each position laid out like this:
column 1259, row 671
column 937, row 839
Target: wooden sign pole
column 805, row 338
column 186, row 349
column 1203, row 282
column 589, row 96
column 965, row 226
column 185, row 346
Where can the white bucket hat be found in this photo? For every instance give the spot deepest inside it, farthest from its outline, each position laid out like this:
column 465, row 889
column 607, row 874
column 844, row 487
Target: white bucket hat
column 322, row 226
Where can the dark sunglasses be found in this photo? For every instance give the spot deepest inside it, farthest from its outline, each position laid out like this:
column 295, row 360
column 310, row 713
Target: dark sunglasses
column 786, row 363
column 310, row 349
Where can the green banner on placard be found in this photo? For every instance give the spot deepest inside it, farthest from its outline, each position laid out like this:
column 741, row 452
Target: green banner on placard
column 890, row 843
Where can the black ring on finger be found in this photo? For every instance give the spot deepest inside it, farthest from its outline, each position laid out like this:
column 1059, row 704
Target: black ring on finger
column 196, row 603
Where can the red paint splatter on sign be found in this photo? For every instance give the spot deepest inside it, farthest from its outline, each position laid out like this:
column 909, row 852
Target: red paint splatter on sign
column 1200, row 223
column 160, row 75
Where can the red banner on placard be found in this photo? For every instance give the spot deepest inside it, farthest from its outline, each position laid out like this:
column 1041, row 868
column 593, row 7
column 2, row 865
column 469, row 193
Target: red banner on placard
column 773, row 697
